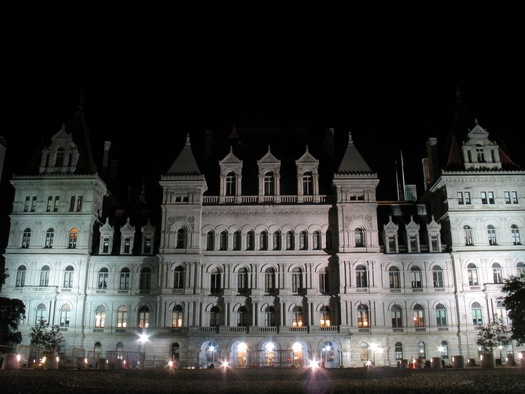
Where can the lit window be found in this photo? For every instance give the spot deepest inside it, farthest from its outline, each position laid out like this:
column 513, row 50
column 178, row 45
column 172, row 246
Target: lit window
column 100, row 317
column 419, row 317
column 176, row 317
column 325, row 317
column 73, row 236
column 144, row 317
column 362, row 316
column 122, row 317
column 103, row 278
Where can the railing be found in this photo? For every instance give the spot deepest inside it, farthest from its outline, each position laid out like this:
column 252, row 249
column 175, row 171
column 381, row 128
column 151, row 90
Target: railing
column 217, row 200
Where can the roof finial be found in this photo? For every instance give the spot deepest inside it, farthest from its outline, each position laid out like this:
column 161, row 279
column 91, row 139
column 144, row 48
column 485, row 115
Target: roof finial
column 476, row 121
column 188, row 139
column 268, row 148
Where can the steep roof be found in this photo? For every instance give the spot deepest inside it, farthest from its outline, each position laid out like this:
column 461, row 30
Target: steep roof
column 353, row 162
column 185, row 163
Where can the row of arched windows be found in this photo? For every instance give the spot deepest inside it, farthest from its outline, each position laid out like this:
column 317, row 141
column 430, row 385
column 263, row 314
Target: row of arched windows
column 50, row 237
column 265, row 241
column 491, row 235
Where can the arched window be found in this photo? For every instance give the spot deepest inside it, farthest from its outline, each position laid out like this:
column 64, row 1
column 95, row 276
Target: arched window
column 41, row 314
column 250, row 240
column 325, row 317
column 303, row 240
column 397, row 320
column 21, row 276
column 361, row 276
column 276, row 240
column 181, row 239
column 223, row 240
column 210, row 240
column 497, row 273
column 215, row 285
column 394, row 279
column 68, row 277
column 443, row 348
column 362, row 316
column 145, row 279
column 230, row 184
column 44, row 276
column 242, row 281
column 50, row 234
column 269, row 316
column 65, row 313
column 290, row 244
column 421, row 350
column 73, row 236
column 103, row 275
column 100, row 317
column 308, row 189
column 399, row 351
column 416, row 277
column 297, row 280
column 176, row 317
column 472, row 271
column 26, row 238
column 144, row 317
column 441, row 315
column 297, row 317
column 502, row 312
column 468, row 235
column 269, row 280
column 491, row 232
column 237, row 240
column 178, row 277
column 324, row 280
column 122, row 317
column 242, row 317
column 520, row 268
column 437, row 276
column 419, row 316
column 359, row 237
column 215, row 317
column 515, row 235
column 124, row 279
column 263, row 240
column 175, row 352
column 477, row 314
column 316, row 238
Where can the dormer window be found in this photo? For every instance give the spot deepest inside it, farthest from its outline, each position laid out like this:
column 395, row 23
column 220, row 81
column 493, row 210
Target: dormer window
column 230, row 184
column 307, row 184
column 269, row 184
column 59, row 158
column 480, row 153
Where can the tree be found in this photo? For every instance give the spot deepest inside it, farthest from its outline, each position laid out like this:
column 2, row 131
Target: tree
column 514, row 303
column 47, row 336
column 11, row 311
column 493, row 335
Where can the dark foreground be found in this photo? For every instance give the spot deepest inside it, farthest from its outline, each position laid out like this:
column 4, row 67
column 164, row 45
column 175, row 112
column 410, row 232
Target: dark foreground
column 265, row 380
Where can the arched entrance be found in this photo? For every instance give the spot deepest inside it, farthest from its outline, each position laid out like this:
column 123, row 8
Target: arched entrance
column 209, row 355
column 240, row 355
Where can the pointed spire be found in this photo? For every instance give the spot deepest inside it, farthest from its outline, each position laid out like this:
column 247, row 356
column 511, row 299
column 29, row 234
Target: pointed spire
column 352, row 161
column 185, row 163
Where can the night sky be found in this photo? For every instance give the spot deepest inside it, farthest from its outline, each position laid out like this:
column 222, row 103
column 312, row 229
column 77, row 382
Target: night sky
column 150, row 75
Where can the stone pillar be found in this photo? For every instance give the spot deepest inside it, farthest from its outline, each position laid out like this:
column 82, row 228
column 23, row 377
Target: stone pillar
column 10, row 361
column 458, row 362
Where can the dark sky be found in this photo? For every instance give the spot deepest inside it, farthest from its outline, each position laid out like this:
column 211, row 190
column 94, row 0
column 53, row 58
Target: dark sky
column 151, row 75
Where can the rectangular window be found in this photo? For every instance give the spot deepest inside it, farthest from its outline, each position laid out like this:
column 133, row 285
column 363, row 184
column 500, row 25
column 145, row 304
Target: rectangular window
column 466, row 196
column 79, row 203
column 33, row 204
column 514, row 197
column 483, row 198
column 26, row 204
column 127, row 245
column 64, row 318
column 491, row 198
column 72, row 204
column 105, row 246
column 506, row 196
column 49, row 203
column 57, row 203
column 460, row 198
column 147, row 245
column 434, row 243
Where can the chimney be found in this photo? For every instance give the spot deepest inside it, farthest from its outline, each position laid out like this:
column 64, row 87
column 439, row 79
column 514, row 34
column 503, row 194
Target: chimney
column 105, row 159
column 432, row 171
